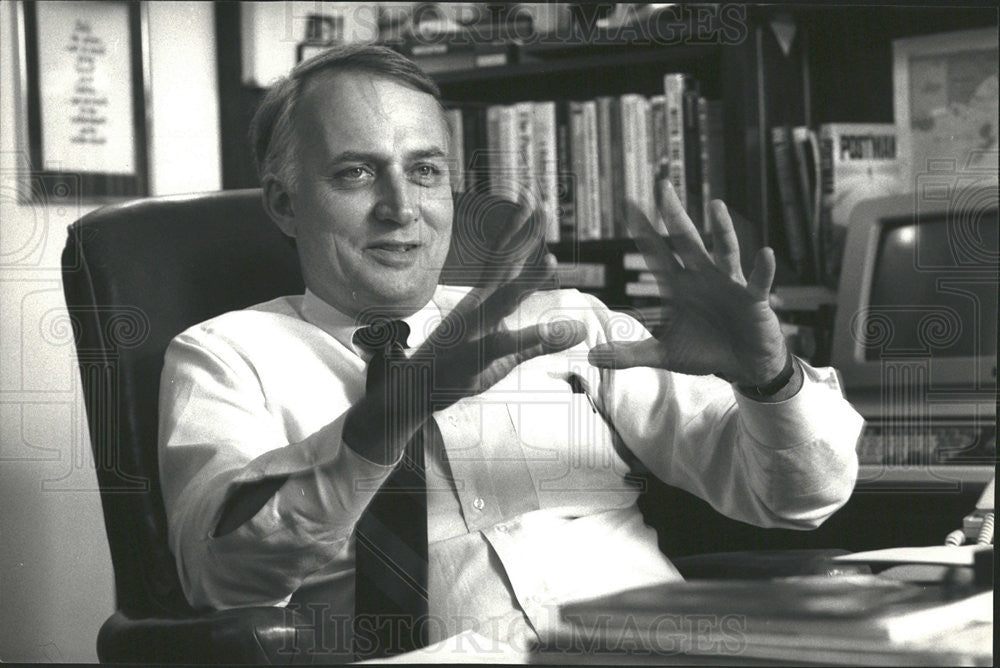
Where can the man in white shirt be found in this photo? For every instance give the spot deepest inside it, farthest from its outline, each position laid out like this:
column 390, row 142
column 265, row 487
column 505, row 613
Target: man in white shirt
column 271, row 447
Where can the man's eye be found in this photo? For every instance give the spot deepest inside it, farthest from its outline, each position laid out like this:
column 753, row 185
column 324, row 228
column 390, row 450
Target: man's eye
column 427, row 173
column 352, row 174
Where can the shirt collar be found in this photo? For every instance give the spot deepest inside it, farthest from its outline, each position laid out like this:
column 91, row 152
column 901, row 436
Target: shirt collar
column 342, row 327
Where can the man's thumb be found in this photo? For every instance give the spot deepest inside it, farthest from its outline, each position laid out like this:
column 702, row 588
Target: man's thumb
column 625, row 354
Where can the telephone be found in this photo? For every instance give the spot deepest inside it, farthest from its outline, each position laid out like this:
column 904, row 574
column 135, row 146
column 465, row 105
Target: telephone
column 977, row 527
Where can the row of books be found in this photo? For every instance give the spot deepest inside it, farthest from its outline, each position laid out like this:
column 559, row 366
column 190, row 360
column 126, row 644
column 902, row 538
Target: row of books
column 580, row 161
column 821, row 176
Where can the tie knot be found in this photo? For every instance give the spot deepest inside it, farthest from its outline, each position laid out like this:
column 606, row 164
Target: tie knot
column 382, row 334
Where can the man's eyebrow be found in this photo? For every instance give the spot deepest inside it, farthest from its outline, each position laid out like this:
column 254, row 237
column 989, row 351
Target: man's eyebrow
column 362, row 156
column 425, row 153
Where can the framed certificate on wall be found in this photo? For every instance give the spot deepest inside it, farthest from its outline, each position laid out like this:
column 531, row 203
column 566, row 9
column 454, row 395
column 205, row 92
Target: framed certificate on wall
column 83, row 95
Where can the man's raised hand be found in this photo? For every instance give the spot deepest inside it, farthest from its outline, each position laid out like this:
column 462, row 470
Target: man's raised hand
column 486, row 351
column 470, row 350
column 714, row 321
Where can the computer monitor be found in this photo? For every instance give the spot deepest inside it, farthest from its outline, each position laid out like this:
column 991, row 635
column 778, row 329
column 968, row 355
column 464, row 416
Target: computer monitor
column 915, row 333
column 917, row 301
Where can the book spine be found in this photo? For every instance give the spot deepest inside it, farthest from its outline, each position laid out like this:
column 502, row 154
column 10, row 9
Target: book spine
column 642, row 289
column 859, row 161
column 547, row 166
column 567, row 178
column 508, row 177
column 634, row 262
column 706, row 181
column 605, row 166
column 692, row 158
column 827, row 191
column 716, row 150
column 791, row 214
column 456, row 149
column 493, row 148
column 589, row 275
column 649, row 172
column 591, row 166
column 629, row 158
column 578, row 161
column 661, row 137
column 526, row 174
column 476, row 167
column 618, row 168
column 638, row 180
column 673, row 87
column 805, row 179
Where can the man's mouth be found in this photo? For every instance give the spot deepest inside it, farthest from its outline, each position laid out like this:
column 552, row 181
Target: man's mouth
column 395, row 247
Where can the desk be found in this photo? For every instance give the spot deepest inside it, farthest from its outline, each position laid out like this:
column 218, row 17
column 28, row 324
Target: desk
column 708, row 640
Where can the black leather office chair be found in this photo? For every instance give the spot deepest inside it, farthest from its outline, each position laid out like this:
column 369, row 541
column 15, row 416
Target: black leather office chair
column 135, row 275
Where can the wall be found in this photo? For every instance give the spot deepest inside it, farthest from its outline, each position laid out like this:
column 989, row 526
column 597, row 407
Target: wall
column 56, row 582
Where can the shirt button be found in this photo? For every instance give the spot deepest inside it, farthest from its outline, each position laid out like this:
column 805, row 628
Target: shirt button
column 479, row 504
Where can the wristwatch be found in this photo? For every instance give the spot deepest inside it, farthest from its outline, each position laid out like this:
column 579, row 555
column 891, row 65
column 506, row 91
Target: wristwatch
column 772, row 387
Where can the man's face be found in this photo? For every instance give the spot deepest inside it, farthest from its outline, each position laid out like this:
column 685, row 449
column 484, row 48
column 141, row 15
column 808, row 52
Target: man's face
column 372, row 208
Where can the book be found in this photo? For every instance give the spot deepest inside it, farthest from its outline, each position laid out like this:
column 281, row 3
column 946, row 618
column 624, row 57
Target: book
column 606, row 165
column 585, row 275
column 792, row 215
column 634, row 262
column 692, row 156
column 858, row 161
column 806, row 146
column 706, row 186
column 837, row 611
column 547, row 166
column 583, row 153
column 618, row 168
column 637, row 176
column 661, row 138
column 525, row 165
column 673, row 91
column 567, row 179
column 716, row 150
column 642, row 288
column 502, row 143
column 476, row 170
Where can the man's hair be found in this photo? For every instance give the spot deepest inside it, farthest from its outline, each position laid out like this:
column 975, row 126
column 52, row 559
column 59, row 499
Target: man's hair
column 272, row 130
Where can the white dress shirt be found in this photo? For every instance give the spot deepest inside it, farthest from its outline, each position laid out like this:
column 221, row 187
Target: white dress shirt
column 528, row 505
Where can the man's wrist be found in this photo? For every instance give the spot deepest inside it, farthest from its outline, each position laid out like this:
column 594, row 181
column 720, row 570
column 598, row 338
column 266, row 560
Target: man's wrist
column 367, row 431
column 778, row 385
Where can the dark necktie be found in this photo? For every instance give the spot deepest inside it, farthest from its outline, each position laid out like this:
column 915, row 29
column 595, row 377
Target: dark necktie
column 390, row 596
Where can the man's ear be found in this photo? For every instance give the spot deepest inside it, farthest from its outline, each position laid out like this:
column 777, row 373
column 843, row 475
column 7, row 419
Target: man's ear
column 278, row 204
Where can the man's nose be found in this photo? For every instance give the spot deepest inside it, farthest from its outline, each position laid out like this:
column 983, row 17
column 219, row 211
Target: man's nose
column 397, row 203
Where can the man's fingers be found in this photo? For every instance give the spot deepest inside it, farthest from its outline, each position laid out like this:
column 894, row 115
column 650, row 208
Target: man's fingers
column 725, row 245
column 626, row 354
column 683, row 234
column 530, row 342
column 759, row 284
column 506, row 297
column 518, row 219
column 654, row 249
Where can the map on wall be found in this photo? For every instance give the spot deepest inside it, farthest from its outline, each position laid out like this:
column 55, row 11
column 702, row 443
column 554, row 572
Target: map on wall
column 946, row 104
column 953, row 108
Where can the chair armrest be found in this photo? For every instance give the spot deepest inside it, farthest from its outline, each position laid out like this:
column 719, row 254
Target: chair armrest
column 764, row 564
column 244, row 635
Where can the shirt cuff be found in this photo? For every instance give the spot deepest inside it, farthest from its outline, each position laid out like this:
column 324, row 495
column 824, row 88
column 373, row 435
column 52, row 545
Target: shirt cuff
column 786, row 424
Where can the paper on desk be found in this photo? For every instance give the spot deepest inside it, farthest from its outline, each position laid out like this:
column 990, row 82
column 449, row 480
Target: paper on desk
column 945, row 555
